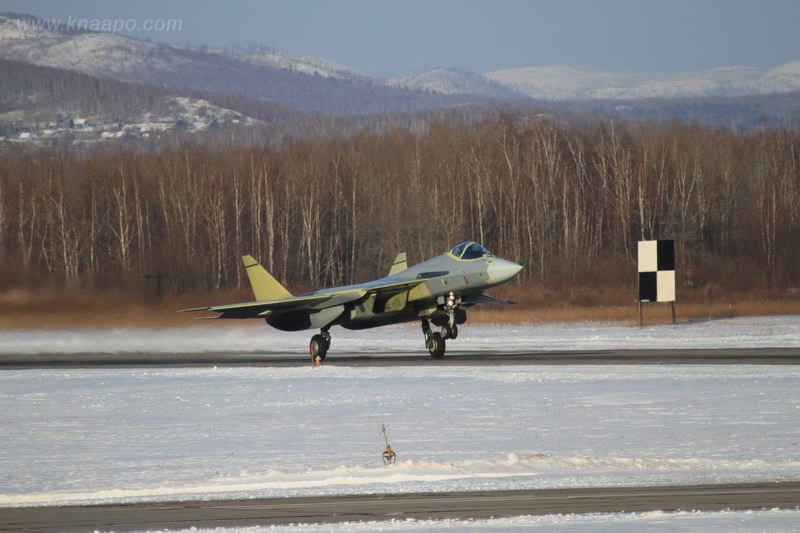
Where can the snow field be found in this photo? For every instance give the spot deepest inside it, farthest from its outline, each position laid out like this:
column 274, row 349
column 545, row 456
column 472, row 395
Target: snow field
column 775, row 521
column 125, row 435
column 255, row 337
column 120, row 435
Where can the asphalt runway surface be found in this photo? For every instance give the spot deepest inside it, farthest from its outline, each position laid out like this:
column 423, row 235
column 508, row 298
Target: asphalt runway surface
column 752, row 356
column 328, row 509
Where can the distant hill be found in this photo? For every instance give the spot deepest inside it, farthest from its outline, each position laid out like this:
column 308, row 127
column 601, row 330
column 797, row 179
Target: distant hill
column 45, row 102
column 569, row 83
column 454, row 81
column 112, row 76
column 307, row 84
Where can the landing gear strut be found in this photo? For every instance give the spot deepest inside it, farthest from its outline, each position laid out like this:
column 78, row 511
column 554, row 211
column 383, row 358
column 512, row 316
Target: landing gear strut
column 434, row 341
column 320, row 344
column 450, row 330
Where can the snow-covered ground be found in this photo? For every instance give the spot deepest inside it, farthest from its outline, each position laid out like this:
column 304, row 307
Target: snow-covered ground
column 127, row 435
column 124, row 435
column 757, row 521
column 256, row 337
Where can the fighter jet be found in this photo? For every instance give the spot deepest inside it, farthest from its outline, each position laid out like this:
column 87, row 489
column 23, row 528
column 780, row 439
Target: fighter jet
column 435, row 291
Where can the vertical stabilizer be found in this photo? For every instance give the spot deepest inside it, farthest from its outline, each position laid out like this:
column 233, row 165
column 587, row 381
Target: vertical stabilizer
column 265, row 287
column 400, row 264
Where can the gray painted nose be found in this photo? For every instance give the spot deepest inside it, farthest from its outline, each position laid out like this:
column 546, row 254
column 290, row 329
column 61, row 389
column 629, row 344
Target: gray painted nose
column 501, row 270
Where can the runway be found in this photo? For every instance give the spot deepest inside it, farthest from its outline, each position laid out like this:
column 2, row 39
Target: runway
column 240, row 513
column 328, row 509
column 752, row 356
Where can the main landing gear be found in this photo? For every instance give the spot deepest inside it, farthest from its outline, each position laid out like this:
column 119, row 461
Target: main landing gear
column 319, row 345
column 434, row 341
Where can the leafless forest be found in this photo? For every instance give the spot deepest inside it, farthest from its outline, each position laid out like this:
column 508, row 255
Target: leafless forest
column 568, row 202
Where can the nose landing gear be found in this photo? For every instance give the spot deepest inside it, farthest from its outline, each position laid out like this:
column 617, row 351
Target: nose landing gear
column 450, row 330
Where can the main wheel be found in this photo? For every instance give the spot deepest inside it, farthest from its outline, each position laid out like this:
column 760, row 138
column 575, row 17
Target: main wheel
column 318, row 347
column 436, row 345
column 454, row 332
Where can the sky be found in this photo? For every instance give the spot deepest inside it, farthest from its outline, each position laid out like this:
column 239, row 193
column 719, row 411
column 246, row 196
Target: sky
column 388, row 37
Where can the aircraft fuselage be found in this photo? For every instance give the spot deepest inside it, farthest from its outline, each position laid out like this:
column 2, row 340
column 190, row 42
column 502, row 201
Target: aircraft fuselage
column 439, row 277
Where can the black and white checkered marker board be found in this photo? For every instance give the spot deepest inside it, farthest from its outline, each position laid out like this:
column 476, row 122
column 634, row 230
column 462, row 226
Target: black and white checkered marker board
column 657, row 271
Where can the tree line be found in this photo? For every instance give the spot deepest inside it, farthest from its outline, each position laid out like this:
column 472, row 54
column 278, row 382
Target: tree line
column 569, row 202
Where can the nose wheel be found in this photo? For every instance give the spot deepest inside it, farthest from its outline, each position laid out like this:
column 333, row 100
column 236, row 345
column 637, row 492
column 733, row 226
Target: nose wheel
column 450, row 332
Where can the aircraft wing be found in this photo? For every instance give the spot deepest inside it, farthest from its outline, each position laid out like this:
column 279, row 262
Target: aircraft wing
column 292, row 303
column 393, row 295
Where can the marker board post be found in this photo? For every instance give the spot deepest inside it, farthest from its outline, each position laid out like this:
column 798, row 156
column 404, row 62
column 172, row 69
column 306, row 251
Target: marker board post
column 656, row 274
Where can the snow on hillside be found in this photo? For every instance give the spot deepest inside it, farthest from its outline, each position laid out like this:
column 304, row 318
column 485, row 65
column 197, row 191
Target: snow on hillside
column 452, row 81
column 782, row 78
column 171, row 113
column 99, row 54
column 115, row 55
column 190, row 114
column 311, row 65
column 569, row 83
column 123, row 57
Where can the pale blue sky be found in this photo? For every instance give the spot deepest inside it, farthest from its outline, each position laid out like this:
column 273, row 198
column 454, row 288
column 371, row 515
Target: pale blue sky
column 409, row 36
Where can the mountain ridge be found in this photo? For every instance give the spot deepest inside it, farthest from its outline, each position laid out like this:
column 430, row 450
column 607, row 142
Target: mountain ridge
column 562, row 82
column 301, row 83
column 444, row 80
column 275, row 77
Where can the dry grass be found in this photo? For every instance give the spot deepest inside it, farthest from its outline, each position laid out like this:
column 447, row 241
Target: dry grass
column 70, row 309
column 73, row 309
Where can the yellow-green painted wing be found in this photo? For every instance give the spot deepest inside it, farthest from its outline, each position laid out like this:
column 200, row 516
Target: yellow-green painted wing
column 292, row 303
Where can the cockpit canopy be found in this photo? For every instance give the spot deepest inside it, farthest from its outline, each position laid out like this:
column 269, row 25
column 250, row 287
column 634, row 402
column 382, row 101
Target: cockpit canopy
column 470, row 250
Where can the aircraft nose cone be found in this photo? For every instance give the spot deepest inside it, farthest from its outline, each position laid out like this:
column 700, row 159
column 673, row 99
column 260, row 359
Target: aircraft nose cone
column 501, row 270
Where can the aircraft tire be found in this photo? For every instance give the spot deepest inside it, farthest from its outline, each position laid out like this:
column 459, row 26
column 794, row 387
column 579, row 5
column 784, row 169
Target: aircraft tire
column 318, row 347
column 448, row 332
column 436, row 345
